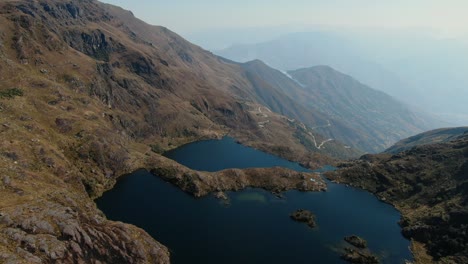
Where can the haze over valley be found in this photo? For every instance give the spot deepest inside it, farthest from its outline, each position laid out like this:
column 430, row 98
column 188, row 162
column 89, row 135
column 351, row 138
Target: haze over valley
column 220, row 132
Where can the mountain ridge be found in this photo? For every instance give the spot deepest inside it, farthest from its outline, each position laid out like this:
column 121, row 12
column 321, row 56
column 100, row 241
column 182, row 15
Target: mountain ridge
column 417, row 68
column 336, row 99
column 89, row 93
column 430, row 137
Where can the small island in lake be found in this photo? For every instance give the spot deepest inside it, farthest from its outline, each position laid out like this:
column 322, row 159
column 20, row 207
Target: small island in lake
column 304, row 216
column 358, row 254
column 356, row 241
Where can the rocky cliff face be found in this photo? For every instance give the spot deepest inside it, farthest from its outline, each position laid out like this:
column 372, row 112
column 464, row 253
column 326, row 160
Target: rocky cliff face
column 88, row 93
column 428, row 184
column 54, row 231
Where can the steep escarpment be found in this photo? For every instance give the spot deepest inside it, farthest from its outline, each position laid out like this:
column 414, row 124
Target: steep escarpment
column 428, row 184
column 88, row 93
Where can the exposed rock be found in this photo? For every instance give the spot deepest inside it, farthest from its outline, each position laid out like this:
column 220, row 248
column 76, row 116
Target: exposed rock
column 356, row 241
column 428, row 184
column 63, row 125
column 5, row 219
column 304, row 216
column 6, row 181
column 221, row 195
column 359, row 257
column 275, row 179
column 54, row 235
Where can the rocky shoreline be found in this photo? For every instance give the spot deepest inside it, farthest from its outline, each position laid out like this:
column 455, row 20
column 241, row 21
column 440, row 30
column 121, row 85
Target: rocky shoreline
column 200, row 183
column 427, row 184
column 356, row 241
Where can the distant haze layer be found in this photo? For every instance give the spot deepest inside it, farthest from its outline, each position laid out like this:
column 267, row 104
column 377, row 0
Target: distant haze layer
column 419, row 69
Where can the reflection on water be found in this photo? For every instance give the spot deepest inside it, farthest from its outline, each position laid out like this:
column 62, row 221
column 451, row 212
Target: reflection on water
column 251, row 197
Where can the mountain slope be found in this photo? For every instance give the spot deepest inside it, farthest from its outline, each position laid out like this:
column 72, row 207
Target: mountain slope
column 415, row 67
column 88, row 93
column 382, row 119
column 428, row 184
column 313, row 117
column 341, row 107
column 305, row 49
column 430, row 137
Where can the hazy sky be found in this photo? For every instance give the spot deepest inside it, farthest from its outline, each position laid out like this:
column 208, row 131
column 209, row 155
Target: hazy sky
column 183, row 16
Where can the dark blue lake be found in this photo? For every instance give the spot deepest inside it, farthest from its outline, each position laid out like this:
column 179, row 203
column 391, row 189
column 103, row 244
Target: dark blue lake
column 255, row 227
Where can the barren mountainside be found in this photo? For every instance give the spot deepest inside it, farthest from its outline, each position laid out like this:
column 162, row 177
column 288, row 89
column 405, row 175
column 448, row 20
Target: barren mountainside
column 380, row 119
column 341, row 108
column 88, row 93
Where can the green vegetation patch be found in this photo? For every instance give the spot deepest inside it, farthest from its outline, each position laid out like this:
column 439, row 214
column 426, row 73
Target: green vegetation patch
column 11, row 93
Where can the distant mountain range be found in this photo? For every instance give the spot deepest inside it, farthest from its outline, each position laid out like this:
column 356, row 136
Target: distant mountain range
column 338, row 106
column 419, row 70
column 303, row 50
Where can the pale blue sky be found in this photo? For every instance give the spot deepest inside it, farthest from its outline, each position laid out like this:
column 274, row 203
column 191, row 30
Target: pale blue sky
column 184, row 16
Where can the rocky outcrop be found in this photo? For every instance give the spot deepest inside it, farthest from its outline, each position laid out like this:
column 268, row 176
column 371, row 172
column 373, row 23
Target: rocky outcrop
column 356, row 241
column 427, row 184
column 304, row 216
column 199, row 183
column 358, row 254
column 65, row 233
column 359, row 257
column 93, row 43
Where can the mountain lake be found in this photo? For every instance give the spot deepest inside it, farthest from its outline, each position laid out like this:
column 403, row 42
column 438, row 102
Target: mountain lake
column 254, row 227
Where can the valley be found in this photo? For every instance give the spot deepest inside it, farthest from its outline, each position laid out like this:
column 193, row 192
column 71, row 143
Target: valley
column 421, row 68
column 92, row 98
